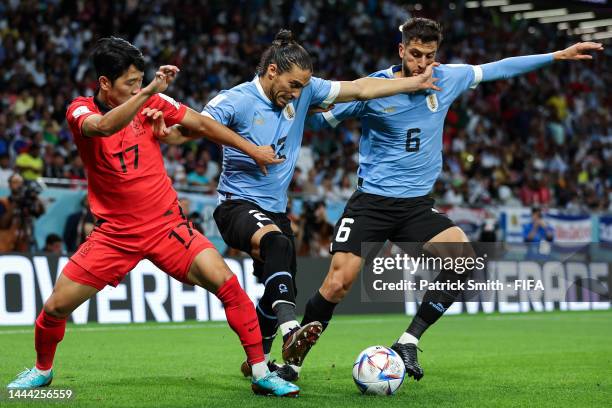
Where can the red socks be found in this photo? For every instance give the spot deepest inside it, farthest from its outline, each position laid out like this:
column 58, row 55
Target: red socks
column 242, row 318
column 48, row 332
column 239, row 311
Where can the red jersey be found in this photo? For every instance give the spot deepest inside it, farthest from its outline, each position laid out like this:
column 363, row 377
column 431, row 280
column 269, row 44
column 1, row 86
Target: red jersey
column 127, row 181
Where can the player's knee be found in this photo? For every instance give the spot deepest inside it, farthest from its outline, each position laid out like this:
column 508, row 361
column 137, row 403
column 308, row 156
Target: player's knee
column 275, row 242
column 278, row 245
column 451, row 243
column 55, row 307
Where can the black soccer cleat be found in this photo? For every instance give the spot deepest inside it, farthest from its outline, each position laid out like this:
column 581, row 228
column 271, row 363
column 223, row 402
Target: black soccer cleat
column 285, row 371
column 408, row 354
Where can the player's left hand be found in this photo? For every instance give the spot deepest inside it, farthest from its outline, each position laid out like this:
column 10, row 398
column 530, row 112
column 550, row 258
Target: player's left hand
column 427, row 80
column 160, row 130
column 578, row 51
column 264, row 156
column 317, row 109
column 163, row 78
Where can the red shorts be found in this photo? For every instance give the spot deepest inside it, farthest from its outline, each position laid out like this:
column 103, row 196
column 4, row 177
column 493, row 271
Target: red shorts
column 109, row 252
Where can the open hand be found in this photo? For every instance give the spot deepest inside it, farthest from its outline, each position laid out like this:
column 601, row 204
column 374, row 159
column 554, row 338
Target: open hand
column 578, row 51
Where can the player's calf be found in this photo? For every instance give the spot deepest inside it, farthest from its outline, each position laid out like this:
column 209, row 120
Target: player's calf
column 342, row 273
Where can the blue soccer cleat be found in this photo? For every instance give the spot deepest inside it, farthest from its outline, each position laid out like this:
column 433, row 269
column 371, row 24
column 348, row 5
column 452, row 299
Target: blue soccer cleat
column 272, row 384
column 30, row 378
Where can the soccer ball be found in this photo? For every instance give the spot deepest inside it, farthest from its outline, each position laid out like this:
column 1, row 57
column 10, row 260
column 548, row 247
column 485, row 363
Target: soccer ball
column 378, row 370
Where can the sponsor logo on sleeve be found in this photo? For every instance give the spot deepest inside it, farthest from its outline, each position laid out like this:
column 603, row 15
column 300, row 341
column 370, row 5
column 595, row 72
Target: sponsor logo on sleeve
column 80, row 111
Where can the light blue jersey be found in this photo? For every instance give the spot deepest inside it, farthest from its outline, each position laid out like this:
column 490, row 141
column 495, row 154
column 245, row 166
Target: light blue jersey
column 249, row 112
column 400, row 151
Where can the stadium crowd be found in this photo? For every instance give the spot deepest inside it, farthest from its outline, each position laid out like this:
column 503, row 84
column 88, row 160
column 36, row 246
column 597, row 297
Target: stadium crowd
column 541, row 139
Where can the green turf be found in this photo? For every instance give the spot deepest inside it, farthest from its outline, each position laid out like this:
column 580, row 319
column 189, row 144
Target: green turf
column 538, row 360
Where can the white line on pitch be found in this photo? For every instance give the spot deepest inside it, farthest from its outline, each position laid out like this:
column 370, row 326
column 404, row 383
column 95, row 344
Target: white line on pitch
column 163, row 326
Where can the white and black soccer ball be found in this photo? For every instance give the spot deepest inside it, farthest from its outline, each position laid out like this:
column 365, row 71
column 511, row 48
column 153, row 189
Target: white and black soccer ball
column 378, row 370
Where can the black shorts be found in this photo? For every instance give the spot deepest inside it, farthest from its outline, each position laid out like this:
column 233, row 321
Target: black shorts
column 374, row 218
column 238, row 220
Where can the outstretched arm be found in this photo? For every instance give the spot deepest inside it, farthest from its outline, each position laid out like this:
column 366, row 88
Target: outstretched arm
column 371, row 88
column 510, row 67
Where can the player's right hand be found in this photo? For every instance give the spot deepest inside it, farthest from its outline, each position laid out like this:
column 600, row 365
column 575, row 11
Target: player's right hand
column 160, row 130
column 163, row 78
column 427, row 79
column 264, row 156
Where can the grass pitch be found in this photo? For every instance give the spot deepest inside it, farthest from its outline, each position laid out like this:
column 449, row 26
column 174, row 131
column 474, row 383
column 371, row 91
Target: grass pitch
column 516, row 360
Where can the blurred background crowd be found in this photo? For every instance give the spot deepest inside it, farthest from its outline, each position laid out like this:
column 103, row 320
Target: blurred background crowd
column 541, row 139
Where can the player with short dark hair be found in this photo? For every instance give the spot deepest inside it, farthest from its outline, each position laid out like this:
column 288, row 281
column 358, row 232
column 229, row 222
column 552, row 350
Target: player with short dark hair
column 137, row 211
column 251, row 216
column 53, row 244
column 400, row 159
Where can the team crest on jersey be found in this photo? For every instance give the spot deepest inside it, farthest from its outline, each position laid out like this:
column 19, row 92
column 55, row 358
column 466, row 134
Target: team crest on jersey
column 138, row 127
column 389, row 109
column 289, row 111
column 432, row 102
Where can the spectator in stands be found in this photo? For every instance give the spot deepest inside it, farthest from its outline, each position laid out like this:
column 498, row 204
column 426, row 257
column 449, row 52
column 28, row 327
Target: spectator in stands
column 315, row 231
column 30, row 164
column 345, row 189
column 172, row 162
column 197, row 177
column 537, row 230
column 5, row 170
column 76, row 170
column 78, row 226
column 53, row 244
column 57, row 168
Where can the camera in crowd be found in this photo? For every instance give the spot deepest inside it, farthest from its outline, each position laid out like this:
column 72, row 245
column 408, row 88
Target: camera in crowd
column 25, row 198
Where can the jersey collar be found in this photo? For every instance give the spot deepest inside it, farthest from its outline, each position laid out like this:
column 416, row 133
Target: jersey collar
column 101, row 105
column 392, row 70
column 261, row 91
